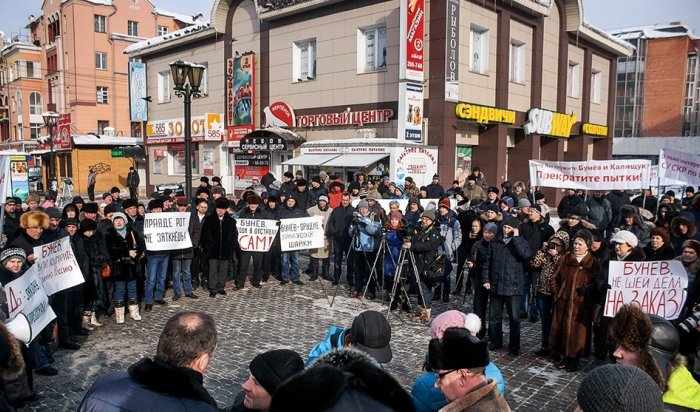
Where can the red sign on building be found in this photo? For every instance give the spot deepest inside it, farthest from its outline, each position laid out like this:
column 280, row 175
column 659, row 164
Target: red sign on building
column 411, row 50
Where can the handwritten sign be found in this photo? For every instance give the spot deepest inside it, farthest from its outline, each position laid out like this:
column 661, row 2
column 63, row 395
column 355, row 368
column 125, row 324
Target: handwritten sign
column 26, row 295
column 591, row 175
column 167, row 231
column 301, row 233
column 256, row 235
column 658, row 287
column 57, row 267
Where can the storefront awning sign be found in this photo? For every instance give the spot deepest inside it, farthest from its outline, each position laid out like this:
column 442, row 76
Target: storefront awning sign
column 263, row 143
column 548, row 123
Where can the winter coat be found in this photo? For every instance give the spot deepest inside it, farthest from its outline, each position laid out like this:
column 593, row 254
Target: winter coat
column 339, row 222
column 219, row 236
column 483, row 398
column 682, row 390
column 547, row 263
column 10, row 227
column 366, row 231
column 649, row 203
column 124, row 267
column 451, row 230
column 302, row 199
column 195, row 231
column 314, row 194
column 617, row 199
column 536, row 233
column 425, row 245
column 293, row 213
column 26, row 243
column 288, row 187
column 599, row 212
column 677, row 238
column 504, row 267
column 692, row 269
column 575, row 293
column 639, row 228
column 155, row 383
column 665, row 252
column 435, row 191
column 335, row 339
column 474, row 193
column 567, row 204
column 393, row 242
column 427, row 398
column 413, row 218
column 324, row 252
column 95, row 289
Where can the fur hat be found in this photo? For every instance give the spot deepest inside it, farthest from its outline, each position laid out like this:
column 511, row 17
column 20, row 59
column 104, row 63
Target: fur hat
column 288, row 174
column 221, row 203
column 181, row 201
column 33, row 198
column 272, row 368
column 13, row 364
column 87, row 224
column 90, row 207
column 71, row 222
column 253, row 200
column 13, row 252
column 78, row 199
column 620, row 388
column 34, row 219
column 53, row 213
column 457, row 349
column 627, row 211
column 204, row 179
column 492, row 207
column 631, row 328
column 371, row 333
column 539, row 196
column 301, row 182
column 492, row 189
column 110, row 208
column 435, row 176
column 429, row 214
column 155, row 204
column 625, row 236
column 445, row 202
column 585, row 235
column 129, row 203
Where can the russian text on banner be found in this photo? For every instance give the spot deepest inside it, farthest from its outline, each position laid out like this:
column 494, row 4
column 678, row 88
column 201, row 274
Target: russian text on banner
column 27, row 295
column 658, row 287
column 256, row 235
column 167, row 231
column 630, row 174
column 679, row 166
column 57, row 267
column 301, row 233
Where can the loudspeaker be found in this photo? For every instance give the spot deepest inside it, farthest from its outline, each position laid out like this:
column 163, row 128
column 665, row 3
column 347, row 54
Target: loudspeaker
column 19, row 327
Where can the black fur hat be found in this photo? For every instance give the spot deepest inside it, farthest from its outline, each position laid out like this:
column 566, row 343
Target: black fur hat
column 457, row 349
column 90, row 207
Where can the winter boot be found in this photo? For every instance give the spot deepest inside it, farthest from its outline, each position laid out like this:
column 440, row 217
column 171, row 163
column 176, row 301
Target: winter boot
column 86, row 321
column 134, row 311
column 314, row 270
column 326, row 269
column 94, row 321
column 119, row 314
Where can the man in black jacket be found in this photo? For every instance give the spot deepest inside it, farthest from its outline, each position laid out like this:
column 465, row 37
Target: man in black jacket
column 252, row 211
column 338, row 228
column 219, row 240
column 536, row 231
column 171, row 381
column 132, row 182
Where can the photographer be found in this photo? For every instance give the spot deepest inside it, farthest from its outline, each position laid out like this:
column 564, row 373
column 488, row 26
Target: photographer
column 690, row 339
column 366, row 229
column 424, row 245
column 394, row 231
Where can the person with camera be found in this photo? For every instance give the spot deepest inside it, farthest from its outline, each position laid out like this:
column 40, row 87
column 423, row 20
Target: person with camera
column 429, row 261
column 366, row 230
column 502, row 275
column 451, row 231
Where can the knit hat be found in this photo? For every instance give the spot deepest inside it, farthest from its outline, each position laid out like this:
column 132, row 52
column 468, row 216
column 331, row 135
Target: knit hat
column 539, row 195
column 323, row 198
column 492, row 207
column 457, row 349
column 53, row 213
column 71, row 222
column 129, row 203
column 87, row 224
column 524, row 203
column 445, row 202
column 221, row 203
column 316, row 179
column 115, row 190
column 471, row 177
column 625, row 236
column 105, row 195
column 363, row 203
column 445, row 320
column 512, row 222
column 371, row 333
column 490, row 227
column 181, row 201
column 396, row 215
column 204, row 179
column 155, row 204
column 507, row 200
column 90, row 207
column 288, row 175
column 619, row 388
column 322, row 174
column 435, row 176
column 119, row 215
column 363, row 193
column 13, row 252
column 689, row 189
column 301, row 182
column 429, row 214
column 272, row 368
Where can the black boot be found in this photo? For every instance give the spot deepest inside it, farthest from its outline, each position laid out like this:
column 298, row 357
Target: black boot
column 326, row 269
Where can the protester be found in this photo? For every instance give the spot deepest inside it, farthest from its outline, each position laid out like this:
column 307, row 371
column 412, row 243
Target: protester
column 451, row 232
column 124, row 250
column 290, row 259
column 537, row 231
column 659, row 247
column 479, row 254
column 630, row 220
column 619, row 388
column 132, row 183
column 157, row 267
column 321, row 256
column 682, row 229
column 253, row 211
column 338, row 228
column 219, row 241
column 435, row 191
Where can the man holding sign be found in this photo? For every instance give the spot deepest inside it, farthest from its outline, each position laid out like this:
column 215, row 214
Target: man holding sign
column 250, row 250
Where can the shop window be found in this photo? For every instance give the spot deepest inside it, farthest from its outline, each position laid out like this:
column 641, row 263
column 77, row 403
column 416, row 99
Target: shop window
column 102, row 94
column 371, row 49
column 132, row 28
column 158, row 158
column 164, row 86
column 36, row 105
column 101, row 60
column 176, row 161
column 100, row 23
column 573, row 79
column 596, row 77
column 479, row 50
column 135, row 129
column 101, row 125
column 161, row 30
column 304, row 57
column 517, row 61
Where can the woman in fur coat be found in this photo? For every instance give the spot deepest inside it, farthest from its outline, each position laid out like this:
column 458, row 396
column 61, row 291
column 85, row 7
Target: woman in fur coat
column 659, row 247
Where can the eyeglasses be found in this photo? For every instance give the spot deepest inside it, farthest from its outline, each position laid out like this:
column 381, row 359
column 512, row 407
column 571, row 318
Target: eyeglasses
column 439, row 376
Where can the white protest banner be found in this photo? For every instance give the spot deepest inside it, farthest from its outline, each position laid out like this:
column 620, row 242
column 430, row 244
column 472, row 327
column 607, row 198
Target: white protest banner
column 57, row 266
column 384, row 203
column 680, row 166
column 26, row 295
column 658, row 287
column 167, row 231
column 5, row 181
column 301, row 233
column 256, row 235
column 591, row 175
column 656, row 180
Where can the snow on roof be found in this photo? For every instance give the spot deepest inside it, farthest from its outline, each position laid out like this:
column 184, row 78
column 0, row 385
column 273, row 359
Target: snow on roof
column 179, row 16
column 658, row 31
column 609, row 36
column 187, row 31
column 101, row 2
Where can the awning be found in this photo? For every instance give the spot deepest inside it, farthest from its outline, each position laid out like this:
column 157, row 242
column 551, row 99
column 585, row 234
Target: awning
column 356, row 160
column 311, row 159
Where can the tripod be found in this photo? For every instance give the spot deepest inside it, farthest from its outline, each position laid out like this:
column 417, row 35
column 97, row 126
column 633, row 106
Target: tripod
column 373, row 274
column 406, row 257
column 347, row 258
column 463, row 275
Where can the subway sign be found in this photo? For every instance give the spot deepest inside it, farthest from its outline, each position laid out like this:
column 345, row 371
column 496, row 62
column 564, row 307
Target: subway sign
column 484, row 114
column 548, row 123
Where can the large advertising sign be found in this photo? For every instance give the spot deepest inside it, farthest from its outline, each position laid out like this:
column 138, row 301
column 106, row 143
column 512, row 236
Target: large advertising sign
column 452, row 52
column 410, row 117
column 249, row 166
column 411, row 39
column 240, row 96
column 19, row 175
column 629, row 174
column 202, row 128
column 138, row 92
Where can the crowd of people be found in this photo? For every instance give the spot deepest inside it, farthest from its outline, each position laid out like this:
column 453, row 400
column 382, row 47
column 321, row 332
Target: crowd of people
column 409, row 245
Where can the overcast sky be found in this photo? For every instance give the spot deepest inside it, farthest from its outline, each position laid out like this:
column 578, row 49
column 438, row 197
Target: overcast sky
column 604, row 14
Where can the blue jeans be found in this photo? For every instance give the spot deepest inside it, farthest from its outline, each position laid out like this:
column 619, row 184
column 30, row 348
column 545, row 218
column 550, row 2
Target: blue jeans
column 527, row 307
column 496, row 320
column 124, row 290
column 182, row 267
column 290, row 265
column 157, row 269
column 545, row 303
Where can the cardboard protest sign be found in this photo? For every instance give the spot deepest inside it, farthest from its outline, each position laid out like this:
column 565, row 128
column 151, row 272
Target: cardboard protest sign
column 26, row 295
column 256, row 235
column 167, row 231
column 681, row 166
column 57, row 267
column 658, row 287
column 301, row 233
column 591, row 175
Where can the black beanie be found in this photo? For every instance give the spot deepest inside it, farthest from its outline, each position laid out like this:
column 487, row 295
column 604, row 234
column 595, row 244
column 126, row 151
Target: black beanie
column 272, row 368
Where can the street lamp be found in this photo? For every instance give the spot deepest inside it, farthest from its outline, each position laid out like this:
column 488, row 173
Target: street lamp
column 187, row 78
column 50, row 120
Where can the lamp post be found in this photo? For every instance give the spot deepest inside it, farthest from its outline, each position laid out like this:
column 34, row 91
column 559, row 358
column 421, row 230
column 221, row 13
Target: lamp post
column 50, row 120
column 187, row 78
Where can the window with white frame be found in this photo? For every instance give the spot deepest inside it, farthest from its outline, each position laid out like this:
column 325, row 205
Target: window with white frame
column 101, row 60
column 371, row 51
column 164, row 86
column 101, row 126
column 596, row 77
column 36, row 105
column 161, row 30
column 304, row 57
column 102, row 94
column 516, row 70
column 100, row 23
column 35, row 130
column 573, row 79
column 479, row 48
column 132, row 28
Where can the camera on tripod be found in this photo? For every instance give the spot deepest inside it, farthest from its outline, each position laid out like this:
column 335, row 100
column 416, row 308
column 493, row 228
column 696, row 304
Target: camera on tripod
column 691, row 322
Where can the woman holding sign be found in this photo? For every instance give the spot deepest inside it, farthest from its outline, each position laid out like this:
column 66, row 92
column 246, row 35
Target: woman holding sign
column 575, row 293
column 124, row 250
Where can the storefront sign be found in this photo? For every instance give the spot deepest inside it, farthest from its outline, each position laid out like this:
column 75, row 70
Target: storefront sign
column 240, row 97
column 594, row 129
column 279, row 114
column 410, row 111
column 630, row 174
column 64, row 133
column 263, row 143
column 173, row 130
column 417, row 162
column 452, row 52
column 484, row 114
column 248, row 166
column 137, row 92
column 548, row 123
column 412, row 20
column 345, row 118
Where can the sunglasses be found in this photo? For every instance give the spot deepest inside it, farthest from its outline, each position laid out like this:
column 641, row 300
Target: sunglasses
column 439, row 376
